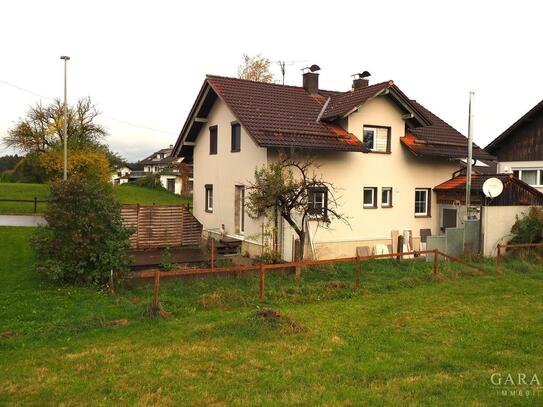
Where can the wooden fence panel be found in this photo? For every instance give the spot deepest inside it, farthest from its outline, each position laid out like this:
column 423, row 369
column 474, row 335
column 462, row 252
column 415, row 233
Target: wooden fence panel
column 161, row 226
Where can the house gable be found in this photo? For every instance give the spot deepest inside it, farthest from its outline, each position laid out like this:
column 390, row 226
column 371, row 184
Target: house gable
column 523, row 140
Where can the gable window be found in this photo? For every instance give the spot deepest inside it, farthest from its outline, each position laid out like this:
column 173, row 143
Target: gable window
column 531, row 176
column 386, row 197
column 209, row 198
column 422, row 202
column 236, row 137
column 370, row 197
column 318, row 201
column 377, row 138
column 213, row 140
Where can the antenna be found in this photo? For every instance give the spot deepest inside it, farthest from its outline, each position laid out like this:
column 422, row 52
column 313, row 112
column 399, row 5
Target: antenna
column 283, row 65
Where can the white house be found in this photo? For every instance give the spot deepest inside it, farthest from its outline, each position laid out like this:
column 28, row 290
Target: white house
column 383, row 151
column 162, row 163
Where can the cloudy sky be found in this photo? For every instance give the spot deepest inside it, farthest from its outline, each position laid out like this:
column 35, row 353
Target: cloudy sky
column 142, row 63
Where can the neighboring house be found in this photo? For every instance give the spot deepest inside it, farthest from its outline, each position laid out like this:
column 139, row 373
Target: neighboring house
column 383, row 152
column 519, row 149
column 121, row 175
column 161, row 162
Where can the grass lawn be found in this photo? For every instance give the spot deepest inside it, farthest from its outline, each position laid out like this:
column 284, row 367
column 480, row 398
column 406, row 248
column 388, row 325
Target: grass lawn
column 405, row 339
column 128, row 194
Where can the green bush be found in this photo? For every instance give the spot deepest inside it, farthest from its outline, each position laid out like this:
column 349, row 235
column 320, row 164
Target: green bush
column 150, row 181
column 529, row 228
column 84, row 239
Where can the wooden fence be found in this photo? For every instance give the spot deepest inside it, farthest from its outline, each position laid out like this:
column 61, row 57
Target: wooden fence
column 262, row 268
column 512, row 246
column 161, row 226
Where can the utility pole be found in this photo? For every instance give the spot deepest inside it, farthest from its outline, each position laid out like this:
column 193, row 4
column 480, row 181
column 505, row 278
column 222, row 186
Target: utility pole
column 470, row 156
column 65, row 114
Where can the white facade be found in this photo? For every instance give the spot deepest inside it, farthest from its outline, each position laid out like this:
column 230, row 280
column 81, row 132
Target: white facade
column 350, row 172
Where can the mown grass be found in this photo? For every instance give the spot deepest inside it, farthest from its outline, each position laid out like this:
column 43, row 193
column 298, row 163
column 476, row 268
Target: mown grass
column 126, row 194
column 404, row 339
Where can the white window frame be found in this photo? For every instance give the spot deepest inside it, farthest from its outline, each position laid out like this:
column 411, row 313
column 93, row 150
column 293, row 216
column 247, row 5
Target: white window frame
column 209, row 198
column 427, row 193
column 373, row 201
column 389, row 203
column 539, row 176
column 374, row 130
column 322, row 194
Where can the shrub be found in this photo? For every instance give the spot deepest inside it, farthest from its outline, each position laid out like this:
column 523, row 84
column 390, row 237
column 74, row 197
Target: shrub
column 167, row 262
column 529, row 228
column 84, row 239
column 150, row 181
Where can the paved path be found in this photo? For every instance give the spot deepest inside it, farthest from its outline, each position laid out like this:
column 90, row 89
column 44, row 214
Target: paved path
column 22, row 220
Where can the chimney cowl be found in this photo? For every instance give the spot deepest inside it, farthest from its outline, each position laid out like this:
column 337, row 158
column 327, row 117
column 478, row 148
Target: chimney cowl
column 360, row 80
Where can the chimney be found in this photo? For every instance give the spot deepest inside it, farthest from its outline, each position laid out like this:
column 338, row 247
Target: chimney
column 360, row 81
column 311, row 79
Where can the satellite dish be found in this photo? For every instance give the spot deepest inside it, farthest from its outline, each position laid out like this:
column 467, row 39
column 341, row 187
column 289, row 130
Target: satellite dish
column 314, row 68
column 492, row 187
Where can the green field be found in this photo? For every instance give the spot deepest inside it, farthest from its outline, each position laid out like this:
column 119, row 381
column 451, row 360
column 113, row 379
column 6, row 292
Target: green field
column 404, row 339
column 127, row 194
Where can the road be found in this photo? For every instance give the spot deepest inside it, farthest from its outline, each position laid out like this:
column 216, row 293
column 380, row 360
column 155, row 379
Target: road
column 22, row 220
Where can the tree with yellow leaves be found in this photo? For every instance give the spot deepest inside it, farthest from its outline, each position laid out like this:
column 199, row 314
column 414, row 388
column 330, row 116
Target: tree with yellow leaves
column 255, row 68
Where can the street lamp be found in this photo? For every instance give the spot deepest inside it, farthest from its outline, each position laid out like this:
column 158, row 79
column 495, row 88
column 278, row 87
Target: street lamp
column 65, row 113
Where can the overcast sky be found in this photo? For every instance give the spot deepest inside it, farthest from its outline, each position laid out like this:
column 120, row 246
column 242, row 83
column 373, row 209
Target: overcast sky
column 144, row 62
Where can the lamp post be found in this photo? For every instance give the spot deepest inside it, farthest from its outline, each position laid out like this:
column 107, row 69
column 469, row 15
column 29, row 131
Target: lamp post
column 65, row 114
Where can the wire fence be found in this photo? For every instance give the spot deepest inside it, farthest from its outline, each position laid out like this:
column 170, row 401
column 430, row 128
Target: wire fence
column 34, row 201
column 262, row 269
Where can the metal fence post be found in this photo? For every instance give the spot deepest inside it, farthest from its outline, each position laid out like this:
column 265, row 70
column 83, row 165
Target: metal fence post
column 498, row 257
column 155, row 291
column 261, row 293
column 212, row 255
column 436, row 253
column 357, row 271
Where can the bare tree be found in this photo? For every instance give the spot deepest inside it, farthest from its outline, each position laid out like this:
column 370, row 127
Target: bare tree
column 42, row 128
column 291, row 187
column 255, row 68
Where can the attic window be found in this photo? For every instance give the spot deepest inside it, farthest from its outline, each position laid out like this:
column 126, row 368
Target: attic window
column 377, row 138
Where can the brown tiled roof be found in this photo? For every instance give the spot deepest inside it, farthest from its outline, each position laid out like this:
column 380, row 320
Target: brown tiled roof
column 477, row 180
column 288, row 116
column 439, row 139
column 342, row 103
column 152, row 160
column 515, row 191
column 282, row 116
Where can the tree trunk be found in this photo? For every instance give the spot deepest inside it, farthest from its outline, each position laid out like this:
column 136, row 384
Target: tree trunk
column 301, row 236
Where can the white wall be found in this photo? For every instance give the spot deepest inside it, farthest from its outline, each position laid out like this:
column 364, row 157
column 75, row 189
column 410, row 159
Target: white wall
column 224, row 171
column 178, row 182
column 401, row 170
column 497, row 223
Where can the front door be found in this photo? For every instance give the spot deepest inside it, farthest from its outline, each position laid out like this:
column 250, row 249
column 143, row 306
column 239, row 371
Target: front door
column 171, row 184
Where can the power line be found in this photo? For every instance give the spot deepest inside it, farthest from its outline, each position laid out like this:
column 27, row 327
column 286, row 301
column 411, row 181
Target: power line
column 102, row 116
column 138, row 125
column 25, row 90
